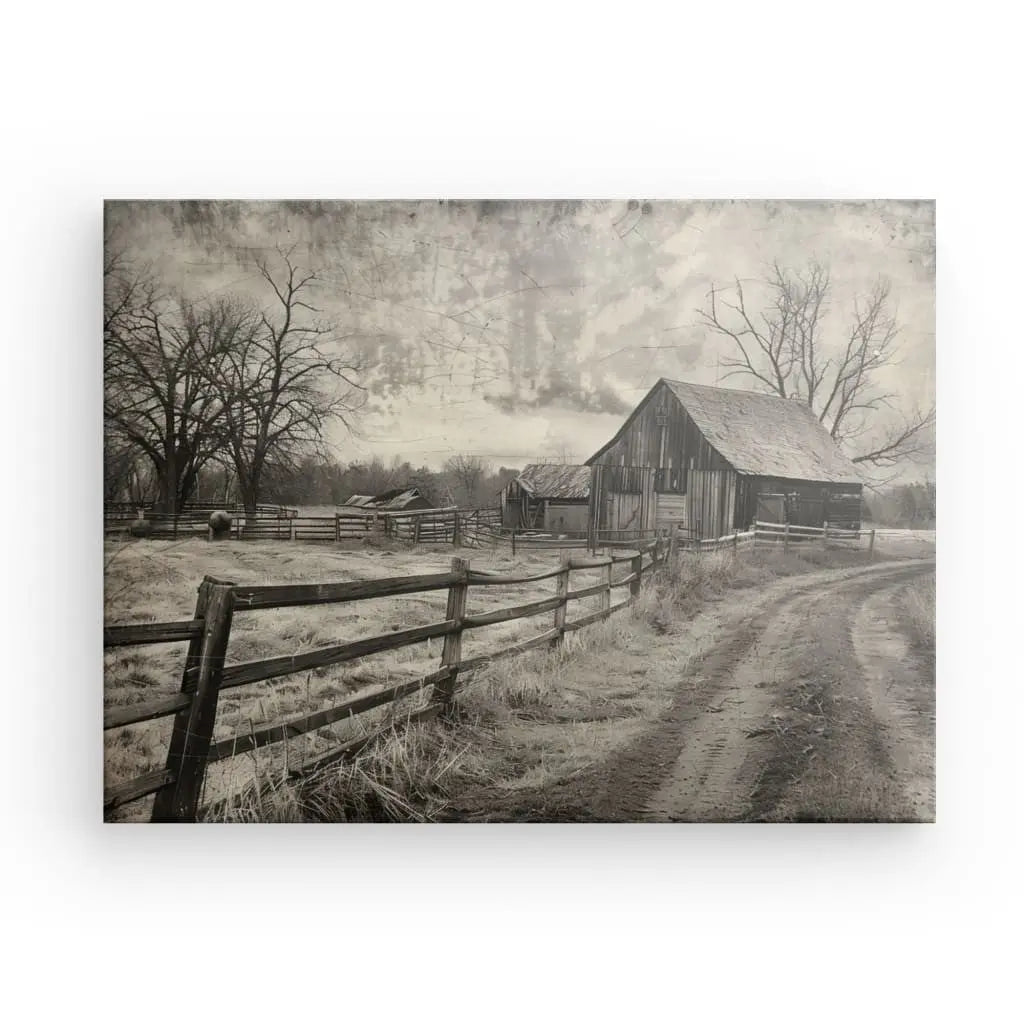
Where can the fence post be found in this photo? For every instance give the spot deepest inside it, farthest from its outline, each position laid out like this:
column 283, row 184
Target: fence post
column 871, row 546
column 416, row 529
column 606, row 594
column 513, row 543
column 636, row 568
column 451, row 653
column 291, row 529
column 456, row 536
column 561, row 589
column 824, row 537
column 193, row 726
column 785, row 539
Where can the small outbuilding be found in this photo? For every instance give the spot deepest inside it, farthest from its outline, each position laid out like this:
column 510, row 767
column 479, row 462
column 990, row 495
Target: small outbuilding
column 400, row 499
column 709, row 460
column 549, row 497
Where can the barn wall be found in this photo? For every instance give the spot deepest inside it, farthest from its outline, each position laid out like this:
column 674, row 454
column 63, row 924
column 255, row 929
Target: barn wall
column 814, row 502
column 511, row 505
column 670, row 510
column 565, row 517
column 661, row 436
column 711, row 502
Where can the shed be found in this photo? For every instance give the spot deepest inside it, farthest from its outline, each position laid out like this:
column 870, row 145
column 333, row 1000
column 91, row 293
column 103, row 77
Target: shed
column 547, row 496
column 709, row 460
column 399, row 499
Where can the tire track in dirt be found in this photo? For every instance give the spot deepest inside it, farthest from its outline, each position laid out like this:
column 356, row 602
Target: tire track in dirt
column 903, row 707
column 723, row 759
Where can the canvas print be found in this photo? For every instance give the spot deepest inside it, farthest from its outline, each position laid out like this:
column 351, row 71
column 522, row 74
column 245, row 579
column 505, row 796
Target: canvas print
column 519, row 511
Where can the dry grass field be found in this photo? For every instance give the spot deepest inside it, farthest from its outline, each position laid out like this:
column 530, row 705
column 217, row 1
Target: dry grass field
column 528, row 723
column 156, row 581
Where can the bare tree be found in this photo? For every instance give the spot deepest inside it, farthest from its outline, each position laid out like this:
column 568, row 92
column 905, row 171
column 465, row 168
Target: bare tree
column 467, row 473
column 784, row 347
column 159, row 358
column 280, row 385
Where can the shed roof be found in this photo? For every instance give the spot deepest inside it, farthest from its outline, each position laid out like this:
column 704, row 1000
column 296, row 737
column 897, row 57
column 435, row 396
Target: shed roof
column 393, row 500
column 552, row 480
column 762, row 435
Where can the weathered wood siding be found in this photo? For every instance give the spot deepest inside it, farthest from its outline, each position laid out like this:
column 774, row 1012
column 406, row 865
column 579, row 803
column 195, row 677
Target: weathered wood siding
column 661, row 438
column 808, row 502
column 711, row 502
column 565, row 516
column 514, row 506
column 670, row 510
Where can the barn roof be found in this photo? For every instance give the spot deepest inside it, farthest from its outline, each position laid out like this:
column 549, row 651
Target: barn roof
column 551, row 480
column 762, row 435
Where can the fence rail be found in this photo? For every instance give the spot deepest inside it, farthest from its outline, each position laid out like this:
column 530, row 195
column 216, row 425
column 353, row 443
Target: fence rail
column 207, row 674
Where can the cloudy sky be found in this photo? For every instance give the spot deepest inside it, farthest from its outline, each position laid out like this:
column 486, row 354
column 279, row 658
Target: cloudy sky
column 525, row 330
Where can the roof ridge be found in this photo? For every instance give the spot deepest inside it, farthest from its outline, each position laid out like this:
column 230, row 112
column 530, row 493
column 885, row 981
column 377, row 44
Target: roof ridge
column 733, row 391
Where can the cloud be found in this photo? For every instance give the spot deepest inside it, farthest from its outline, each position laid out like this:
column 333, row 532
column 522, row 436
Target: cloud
column 561, row 393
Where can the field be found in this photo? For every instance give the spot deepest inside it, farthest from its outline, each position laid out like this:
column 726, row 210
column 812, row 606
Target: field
column 530, row 723
column 156, row 581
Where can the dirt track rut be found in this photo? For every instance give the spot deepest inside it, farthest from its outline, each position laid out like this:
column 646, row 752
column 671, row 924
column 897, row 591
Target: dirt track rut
column 762, row 697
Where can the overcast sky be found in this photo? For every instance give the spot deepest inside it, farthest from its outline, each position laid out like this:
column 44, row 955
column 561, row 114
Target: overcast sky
column 526, row 330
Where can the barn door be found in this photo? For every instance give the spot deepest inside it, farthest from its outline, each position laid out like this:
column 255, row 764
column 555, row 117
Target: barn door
column 771, row 508
column 808, row 512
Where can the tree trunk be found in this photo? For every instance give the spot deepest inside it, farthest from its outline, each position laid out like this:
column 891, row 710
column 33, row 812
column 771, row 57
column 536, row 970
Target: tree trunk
column 249, row 493
column 167, row 497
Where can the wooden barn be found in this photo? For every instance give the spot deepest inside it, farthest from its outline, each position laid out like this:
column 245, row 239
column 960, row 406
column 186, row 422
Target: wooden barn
column 548, row 497
column 710, row 460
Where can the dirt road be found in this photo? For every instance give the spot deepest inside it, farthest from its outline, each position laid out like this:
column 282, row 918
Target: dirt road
column 818, row 709
column 817, row 704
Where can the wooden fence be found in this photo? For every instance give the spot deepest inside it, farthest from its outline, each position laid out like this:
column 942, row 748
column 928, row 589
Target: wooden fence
column 787, row 536
column 178, row 785
column 427, row 526
column 129, row 510
column 781, row 535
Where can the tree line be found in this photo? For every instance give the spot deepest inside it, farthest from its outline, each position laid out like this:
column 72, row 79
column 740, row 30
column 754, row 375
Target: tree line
column 905, row 505
column 467, row 481
column 220, row 384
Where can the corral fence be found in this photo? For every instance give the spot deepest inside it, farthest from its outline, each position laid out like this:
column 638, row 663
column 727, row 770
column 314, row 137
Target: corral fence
column 177, row 787
column 192, row 521
column 428, row 526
